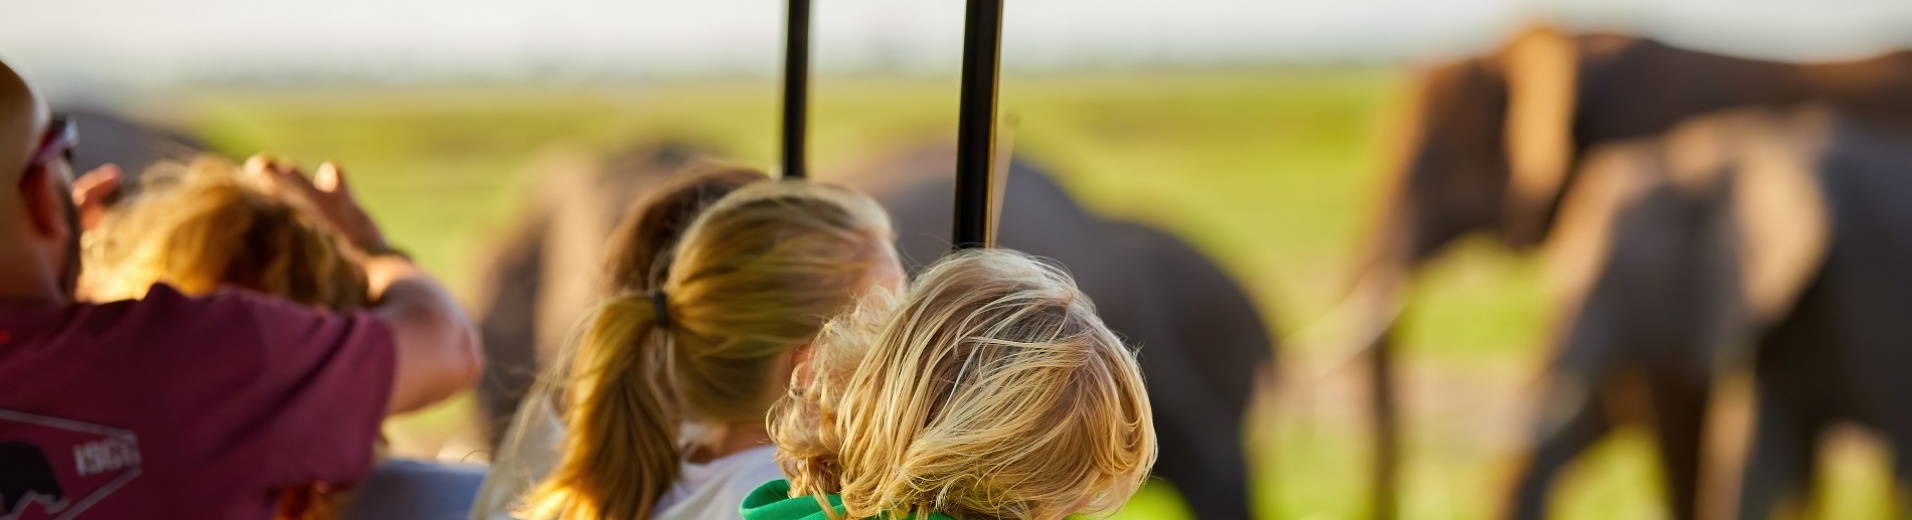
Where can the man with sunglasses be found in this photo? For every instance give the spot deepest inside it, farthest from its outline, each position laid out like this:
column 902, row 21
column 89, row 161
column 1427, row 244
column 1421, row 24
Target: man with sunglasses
column 176, row 407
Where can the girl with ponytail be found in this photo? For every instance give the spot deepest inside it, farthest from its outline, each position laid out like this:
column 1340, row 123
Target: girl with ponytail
column 664, row 395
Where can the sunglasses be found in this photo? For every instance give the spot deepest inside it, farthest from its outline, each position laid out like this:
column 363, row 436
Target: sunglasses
column 62, row 136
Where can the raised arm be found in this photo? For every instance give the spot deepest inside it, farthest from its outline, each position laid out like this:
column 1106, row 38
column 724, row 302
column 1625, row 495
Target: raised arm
column 437, row 346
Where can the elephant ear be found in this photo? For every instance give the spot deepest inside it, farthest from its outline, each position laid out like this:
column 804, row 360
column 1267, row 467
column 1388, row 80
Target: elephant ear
column 572, row 245
column 1612, row 177
column 1780, row 211
column 1542, row 70
column 1776, row 227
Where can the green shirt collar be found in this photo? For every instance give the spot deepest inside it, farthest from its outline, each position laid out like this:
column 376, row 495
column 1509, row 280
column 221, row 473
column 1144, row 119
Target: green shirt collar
column 772, row 501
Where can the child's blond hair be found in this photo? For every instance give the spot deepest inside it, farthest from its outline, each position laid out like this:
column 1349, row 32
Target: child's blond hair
column 990, row 389
column 201, row 225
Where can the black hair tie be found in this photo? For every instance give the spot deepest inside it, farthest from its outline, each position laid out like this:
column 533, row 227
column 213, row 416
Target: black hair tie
column 663, row 314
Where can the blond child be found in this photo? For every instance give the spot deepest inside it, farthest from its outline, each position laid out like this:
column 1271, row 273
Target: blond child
column 205, row 224
column 990, row 389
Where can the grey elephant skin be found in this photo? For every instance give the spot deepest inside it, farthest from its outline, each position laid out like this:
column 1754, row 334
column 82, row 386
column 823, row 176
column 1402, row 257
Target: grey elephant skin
column 1202, row 341
column 107, row 138
column 1494, row 143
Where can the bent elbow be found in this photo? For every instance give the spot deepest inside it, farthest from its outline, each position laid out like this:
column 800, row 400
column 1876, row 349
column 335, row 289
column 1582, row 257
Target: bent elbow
column 439, row 351
column 460, row 355
column 470, row 352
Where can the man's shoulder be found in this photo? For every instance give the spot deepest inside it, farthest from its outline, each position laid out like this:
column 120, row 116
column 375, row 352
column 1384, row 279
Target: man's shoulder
column 164, row 296
column 224, row 303
column 164, row 307
column 227, row 314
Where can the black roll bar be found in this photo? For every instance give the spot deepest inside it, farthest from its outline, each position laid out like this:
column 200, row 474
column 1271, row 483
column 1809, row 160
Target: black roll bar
column 975, row 126
column 976, row 123
column 796, row 86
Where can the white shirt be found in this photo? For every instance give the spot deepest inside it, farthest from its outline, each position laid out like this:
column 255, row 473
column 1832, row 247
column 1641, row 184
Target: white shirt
column 535, row 441
column 715, row 490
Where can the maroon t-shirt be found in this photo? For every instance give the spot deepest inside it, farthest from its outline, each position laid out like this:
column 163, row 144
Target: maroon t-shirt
column 177, row 407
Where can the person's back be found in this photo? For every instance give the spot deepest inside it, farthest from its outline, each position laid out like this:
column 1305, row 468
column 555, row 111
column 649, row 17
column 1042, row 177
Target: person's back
column 225, row 388
column 990, row 389
column 198, row 227
column 180, row 407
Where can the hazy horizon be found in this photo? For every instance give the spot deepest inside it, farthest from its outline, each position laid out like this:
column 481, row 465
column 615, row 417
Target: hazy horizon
column 133, row 43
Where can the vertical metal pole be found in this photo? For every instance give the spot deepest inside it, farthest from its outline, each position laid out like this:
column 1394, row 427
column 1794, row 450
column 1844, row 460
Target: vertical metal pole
column 976, row 126
column 796, row 87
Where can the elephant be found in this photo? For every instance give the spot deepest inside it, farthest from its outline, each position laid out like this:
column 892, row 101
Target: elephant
column 1841, row 351
column 107, row 138
column 1203, row 342
column 1674, row 257
column 542, row 277
column 1493, row 143
column 1765, row 239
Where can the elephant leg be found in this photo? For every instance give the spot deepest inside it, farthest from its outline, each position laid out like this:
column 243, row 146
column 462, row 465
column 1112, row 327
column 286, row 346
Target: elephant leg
column 1679, row 417
column 1557, row 444
column 1197, row 422
column 508, row 331
column 1211, row 490
column 1901, row 478
column 1779, row 466
column 1387, row 431
column 1200, row 442
column 1223, row 495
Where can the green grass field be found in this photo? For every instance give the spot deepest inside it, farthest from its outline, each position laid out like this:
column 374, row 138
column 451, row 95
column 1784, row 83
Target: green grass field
column 1273, row 173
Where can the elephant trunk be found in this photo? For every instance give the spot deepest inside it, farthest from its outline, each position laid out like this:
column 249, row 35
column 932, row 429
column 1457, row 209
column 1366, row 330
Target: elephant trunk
column 1382, row 293
column 1387, row 429
column 1363, row 326
column 1360, row 328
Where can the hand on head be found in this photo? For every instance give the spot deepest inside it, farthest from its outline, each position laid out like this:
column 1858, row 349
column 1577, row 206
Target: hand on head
column 93, row 191
column 437, row 345
column 328, row 193
column 204, row 224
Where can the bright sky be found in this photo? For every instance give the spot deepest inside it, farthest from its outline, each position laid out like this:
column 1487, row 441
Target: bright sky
column 146, row 41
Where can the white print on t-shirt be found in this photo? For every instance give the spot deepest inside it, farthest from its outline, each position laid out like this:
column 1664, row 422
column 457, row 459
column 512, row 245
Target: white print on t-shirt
column 109, row 454
column 61, row 466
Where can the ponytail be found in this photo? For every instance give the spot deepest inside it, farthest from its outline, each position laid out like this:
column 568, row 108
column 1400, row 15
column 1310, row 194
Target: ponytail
column 620, row 454
column 749, row 280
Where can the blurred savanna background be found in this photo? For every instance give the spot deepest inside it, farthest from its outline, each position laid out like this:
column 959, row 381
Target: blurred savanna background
column 1262, row 132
